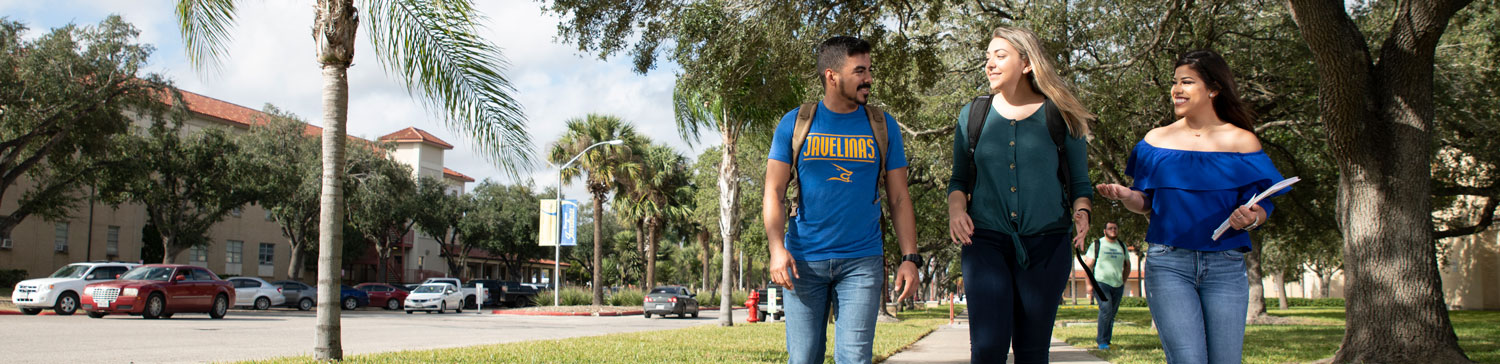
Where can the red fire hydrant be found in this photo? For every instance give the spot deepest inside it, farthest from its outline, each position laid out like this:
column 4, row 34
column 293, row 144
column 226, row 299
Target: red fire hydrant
column 753, row 304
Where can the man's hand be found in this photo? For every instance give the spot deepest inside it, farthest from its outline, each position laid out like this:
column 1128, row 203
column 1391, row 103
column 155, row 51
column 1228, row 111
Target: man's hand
column 906, row 279
column 783, row 268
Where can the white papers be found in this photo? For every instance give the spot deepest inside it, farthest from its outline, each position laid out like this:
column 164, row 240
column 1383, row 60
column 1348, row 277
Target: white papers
column 1254, row 200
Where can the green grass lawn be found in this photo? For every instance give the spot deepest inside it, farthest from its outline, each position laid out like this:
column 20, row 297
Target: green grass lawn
column 1478, row 334
column 742, row 343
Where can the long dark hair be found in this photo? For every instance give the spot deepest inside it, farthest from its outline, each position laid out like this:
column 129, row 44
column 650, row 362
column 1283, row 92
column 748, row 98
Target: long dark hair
column 1217, row 76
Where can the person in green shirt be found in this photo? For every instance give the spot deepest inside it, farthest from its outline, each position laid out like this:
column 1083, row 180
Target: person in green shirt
column 1014, row 217
column 1111, row 266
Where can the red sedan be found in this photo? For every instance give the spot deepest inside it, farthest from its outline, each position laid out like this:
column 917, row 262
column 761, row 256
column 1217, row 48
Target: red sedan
column 158, row 291
column 384, row 295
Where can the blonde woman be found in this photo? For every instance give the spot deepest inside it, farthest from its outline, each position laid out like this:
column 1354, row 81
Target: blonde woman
column 1019, row 197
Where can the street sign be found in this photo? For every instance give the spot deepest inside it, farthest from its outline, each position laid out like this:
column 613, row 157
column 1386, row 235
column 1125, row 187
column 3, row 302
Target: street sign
column 547, row 236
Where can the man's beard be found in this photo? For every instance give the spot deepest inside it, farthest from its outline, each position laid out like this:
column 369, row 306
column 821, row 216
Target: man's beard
column 854, row 96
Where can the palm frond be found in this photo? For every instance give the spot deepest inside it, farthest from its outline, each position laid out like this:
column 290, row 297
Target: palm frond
column 205, row 30
column 434, row 48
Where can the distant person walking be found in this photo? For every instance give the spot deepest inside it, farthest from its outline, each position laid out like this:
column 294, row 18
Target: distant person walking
column 1190, row 176
column 1111, row 268
column 1019, row 198
column 838, row 155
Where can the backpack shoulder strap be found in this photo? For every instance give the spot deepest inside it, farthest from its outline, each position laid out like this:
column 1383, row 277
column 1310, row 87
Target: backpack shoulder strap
column 1057, row 127
column 878, row 128
column 799, row 137
column 979, row 110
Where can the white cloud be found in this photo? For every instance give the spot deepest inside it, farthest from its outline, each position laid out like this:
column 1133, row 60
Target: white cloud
column 270, row 60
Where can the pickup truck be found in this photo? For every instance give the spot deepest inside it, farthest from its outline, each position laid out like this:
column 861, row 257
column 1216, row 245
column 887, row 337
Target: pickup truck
column 764, row 300
column 469, row 293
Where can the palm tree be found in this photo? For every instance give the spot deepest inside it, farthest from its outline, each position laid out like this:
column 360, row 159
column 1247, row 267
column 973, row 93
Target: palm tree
column 660, row 194
column 606, row 169
column 434, row 47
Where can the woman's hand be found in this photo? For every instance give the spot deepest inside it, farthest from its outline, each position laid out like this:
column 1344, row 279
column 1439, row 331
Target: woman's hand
column 1247, row 218
column 1113, row 191
column 960, row 227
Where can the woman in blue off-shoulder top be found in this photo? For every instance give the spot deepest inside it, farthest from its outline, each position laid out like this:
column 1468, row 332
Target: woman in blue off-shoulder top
column 1189, row 177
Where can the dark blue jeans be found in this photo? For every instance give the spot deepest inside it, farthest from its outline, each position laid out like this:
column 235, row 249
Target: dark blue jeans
column 1107, row 312
column 1008, row 304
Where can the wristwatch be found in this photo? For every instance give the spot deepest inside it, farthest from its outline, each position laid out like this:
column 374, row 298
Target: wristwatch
column 914, row 258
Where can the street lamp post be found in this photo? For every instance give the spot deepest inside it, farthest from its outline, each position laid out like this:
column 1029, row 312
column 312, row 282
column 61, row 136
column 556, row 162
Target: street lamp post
column 557, row 244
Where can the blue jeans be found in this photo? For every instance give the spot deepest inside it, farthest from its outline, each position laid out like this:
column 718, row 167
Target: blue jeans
column 853, row 287
column 1009, row 305
column 1107, row 310
column 1198, row 299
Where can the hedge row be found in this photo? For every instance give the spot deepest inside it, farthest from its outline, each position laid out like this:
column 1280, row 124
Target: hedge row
column 9, row 278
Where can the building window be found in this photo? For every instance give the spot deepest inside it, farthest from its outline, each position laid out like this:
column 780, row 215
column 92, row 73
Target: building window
column 112, row 241
column 60, row 236
column 267, row 254
column 237, row 212
column 234, row 252
column 198, row 254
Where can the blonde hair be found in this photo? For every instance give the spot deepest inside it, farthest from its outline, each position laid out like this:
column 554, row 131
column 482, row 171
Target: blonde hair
column 1044, row 78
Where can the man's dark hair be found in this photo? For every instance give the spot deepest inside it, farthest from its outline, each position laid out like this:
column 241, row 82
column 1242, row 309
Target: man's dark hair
column 833, row 52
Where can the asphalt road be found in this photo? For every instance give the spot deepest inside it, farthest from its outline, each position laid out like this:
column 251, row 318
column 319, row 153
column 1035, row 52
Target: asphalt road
column 245, row 335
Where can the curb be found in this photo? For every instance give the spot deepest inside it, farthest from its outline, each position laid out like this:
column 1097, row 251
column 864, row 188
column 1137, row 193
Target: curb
column 543, row 313
column 9, row 312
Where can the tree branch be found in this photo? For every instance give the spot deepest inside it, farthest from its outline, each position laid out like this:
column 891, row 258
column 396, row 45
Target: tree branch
column 1486, row 218
column 916, row 133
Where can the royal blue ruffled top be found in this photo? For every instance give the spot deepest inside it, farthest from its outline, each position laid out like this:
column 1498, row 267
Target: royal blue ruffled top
column 1192, row 192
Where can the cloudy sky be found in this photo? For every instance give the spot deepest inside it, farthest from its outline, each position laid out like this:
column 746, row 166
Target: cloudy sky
column 270, row 60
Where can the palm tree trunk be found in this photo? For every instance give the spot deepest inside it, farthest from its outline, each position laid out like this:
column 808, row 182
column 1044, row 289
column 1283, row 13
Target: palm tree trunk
column 334, row 29
column 331, row 228
column 729, row 198
column 652, row 230
column 703, row 240
column 598, row 250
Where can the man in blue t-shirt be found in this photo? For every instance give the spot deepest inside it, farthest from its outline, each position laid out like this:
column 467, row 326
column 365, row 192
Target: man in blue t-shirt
column 832, row 252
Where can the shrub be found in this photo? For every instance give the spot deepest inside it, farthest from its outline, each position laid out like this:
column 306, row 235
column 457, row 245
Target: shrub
column 1306, row 302
column 9, row 278
column 738, row 298
column 627, row 297
column 1133, row 302
column 543, row 298
column 576, row 297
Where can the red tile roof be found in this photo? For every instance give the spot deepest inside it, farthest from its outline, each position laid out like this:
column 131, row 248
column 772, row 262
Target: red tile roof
column 244, row 117
column 455, row 175
column 412, row 134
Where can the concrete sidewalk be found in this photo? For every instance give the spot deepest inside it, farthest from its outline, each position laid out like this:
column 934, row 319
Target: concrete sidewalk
column 950, row 344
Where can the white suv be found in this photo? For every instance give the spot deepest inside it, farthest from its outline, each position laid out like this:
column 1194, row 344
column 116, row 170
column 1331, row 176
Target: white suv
column 60, row 291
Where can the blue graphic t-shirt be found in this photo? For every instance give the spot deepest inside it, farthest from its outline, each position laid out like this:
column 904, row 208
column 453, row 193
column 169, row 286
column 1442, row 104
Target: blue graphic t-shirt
column 838, row 217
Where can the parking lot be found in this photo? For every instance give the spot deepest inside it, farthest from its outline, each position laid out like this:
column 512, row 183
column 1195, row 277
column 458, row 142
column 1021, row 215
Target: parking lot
column 247, row 334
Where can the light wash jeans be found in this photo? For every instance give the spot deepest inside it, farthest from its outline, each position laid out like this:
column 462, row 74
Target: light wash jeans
column 853, row 287
column 1198, row 299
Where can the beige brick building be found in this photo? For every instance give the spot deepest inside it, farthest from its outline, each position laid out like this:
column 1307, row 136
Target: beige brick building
column 247, row 242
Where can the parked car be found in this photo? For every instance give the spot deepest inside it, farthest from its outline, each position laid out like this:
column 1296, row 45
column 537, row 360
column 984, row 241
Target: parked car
column 516, row 294
column 468, row 291
column 490, row 286
column 159, row 291
column 298, row 294
column 352, row 298
column 60, row 291
column 410, row 287
column 764, row 306
column 384, row 295
column 671, row 300
column 256, row 293
column 435, row 296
